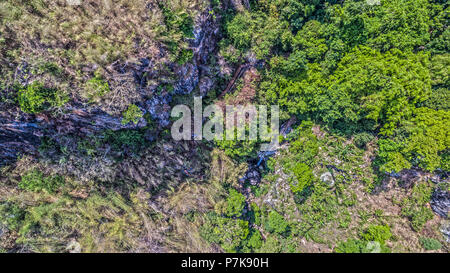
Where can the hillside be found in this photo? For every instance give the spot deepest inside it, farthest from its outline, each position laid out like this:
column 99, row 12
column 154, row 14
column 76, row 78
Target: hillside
column 88, row 158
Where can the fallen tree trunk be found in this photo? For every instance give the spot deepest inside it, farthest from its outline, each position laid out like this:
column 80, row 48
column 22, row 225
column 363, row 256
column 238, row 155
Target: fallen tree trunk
column 238, row 74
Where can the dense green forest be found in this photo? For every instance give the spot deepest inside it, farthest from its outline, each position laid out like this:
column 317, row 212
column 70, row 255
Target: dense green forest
column 88, row 164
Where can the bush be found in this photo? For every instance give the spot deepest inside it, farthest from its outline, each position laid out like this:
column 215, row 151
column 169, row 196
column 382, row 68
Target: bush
column 362, row 139
column 178, row 21
column 255, row 241
column 132, row 114
column 377, row 233
column 185, row 56
column 306, row 147
column 303, row 177
column 255, row 31
column 36, row 98
column 420, row 217
column 235, row 203
column 317, row 211
column 360, row 246
column 351, row 246
column 427, row 139
column 430, row 243
column 125, row 142
column 180, row 24
column 239, row 150
column 439, row 99
column 271, row 245
column 35, row 181
column 414, row 207
column 276, row 223
column 228, row 233
column 11, row 215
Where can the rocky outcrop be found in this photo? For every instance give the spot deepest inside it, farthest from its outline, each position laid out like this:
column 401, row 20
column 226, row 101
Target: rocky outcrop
column 21, row 133
column 18, row 135
column 206, row 33
column 159, row 109
column 445, row 229
column 327, row 178
column 440, row 202
column 252, row 176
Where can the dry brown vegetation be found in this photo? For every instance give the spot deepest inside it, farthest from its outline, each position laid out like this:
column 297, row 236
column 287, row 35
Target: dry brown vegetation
column 66, row 46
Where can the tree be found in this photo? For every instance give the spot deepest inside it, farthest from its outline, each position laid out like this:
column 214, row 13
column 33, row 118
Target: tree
column 228, row 233
column 420, row 141
column 235, row 203
column 276, row 223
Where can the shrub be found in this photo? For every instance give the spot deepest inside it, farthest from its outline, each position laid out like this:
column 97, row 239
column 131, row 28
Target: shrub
column 132, row 114
column 254, row 31
column 427, row 139
column 238, row 149
column 255, row 214
column 303, row 177
column 36, row 98
column 35, row 181
column 420, row 217
column 235, row 203
column 306, row 147
column 377, row 233
column 362, row 139
column 430, row 243
column 320, row 208
column 11, row 215
column 414, row 207
column 439, row 99
column 178, row 21
column 185, row 56
column 125, row 141
column 351, row 246
column 180, row 24
column 228, row 233
column 276, row 223
column 271, row 245
column 255, row 241
column 360, row 246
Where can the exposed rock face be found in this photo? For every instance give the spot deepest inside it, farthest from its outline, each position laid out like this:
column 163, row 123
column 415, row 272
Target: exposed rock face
column 21, row 133
column 240, row 5
column 440, row 202
column 73, row 247
column 205, row 85
column 87, row 121
column 188, row 76
column 407, row 178
column 445, row 229
column 18, row 135
column 252, row 176
column 159, row 109
column 327, row 178
column 206, row 33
